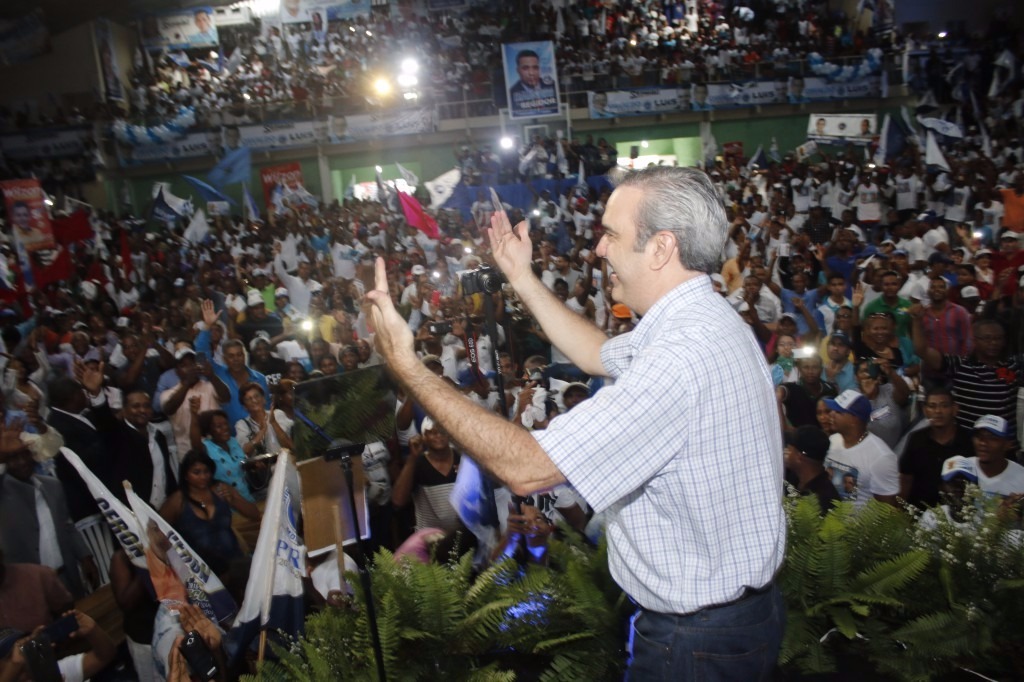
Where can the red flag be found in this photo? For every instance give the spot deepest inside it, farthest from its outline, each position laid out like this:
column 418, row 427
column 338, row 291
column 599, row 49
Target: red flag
column 417, row 217
column 57, row 270
column 72, row 229
column 126, row 254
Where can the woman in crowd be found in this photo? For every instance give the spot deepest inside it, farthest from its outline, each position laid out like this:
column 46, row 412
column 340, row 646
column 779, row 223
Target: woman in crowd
column 201, row 511
column 212, row 432
column 263, row 431
column 784, row 367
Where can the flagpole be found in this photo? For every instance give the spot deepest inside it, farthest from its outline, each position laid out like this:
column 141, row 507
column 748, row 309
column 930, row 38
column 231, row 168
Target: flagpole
column 263, row 646
column 339, row 537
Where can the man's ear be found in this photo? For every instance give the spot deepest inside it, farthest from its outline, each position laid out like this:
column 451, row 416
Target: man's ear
column 664, row 249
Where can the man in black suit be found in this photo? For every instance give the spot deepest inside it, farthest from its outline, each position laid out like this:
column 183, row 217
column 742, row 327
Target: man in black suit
column 139, row 453
column 80, row 413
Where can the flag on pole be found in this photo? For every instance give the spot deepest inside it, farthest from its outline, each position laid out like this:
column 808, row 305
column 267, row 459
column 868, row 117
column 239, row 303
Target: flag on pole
column 947, row 128
column 198, row 228
column 203, row 587
column 933, row 155
column 273, row 595
column 176, row 205
column 443, row 186
column 249, row 206
column 417, row 217
column 206, row 192
column 472, row 497
column 759, row 161
column 407, row 175
column 235, row 167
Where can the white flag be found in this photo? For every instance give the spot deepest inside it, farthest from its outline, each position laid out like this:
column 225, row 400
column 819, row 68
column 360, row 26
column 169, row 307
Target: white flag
column 198, row 228
column 947, row 128
column 933, row 155
column 407, row 175
column 442, row 187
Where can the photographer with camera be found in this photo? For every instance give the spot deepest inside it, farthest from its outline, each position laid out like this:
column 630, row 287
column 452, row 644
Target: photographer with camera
column 32, row 657
column 681, row 376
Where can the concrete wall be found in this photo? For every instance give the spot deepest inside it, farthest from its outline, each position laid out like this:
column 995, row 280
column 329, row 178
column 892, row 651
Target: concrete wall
column 69, row 73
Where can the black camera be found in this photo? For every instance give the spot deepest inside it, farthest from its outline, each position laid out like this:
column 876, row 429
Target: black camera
column 482, row 280
column 440, row 328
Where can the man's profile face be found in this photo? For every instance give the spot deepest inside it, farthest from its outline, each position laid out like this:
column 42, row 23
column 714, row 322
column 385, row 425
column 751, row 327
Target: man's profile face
column 528, row 68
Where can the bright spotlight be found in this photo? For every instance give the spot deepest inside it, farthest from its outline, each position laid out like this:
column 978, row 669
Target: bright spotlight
column 307, row 325
column 942, row 34
column 633, row 43
column 411, row 96
column 369, row 33
column 246, row 95
column 410, row 65
column 48, row 202
column 382, row 86
column 644, row 144
column 378, row 169
column 506, row 142
column 407, row 80
column 352, row 28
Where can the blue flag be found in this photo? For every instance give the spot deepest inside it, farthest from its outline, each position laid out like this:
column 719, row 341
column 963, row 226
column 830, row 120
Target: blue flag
column 161, row 209
column 252, row 211
column 235, row 167
column 473, row 500
column 207, row 192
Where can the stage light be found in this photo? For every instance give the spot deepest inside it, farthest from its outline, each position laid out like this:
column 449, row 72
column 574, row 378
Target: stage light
column 411, row 96
column 407, row 80
column 307, row 325
column 506, row 142
column 942, row 34
column 644, row 144
column 381, row 86
column 410, row 65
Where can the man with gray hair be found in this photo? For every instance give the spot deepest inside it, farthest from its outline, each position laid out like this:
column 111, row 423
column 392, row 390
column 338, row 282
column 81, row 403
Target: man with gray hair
column 695, row 524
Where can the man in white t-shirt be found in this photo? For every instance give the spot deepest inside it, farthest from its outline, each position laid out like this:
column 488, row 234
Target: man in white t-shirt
column 993, row 439
column 859, row 462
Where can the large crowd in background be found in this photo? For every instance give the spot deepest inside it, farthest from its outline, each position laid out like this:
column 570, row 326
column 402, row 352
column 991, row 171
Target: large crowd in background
column 888, row 301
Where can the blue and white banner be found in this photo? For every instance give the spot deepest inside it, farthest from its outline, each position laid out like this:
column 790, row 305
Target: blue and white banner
column 45, row 143
column 202, row 586
column 616, row 103
column 318, row 12
column 531, row 79
column 193, row 145
column 273, row 595
column 736, row 95
column 179, row 30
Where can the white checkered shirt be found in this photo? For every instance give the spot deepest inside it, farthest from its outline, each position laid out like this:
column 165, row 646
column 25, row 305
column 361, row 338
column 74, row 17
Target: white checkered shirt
column 685, row 452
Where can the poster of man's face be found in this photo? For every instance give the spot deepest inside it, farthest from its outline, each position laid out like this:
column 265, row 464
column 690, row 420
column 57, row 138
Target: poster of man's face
column 528, row 68
column 531, row 79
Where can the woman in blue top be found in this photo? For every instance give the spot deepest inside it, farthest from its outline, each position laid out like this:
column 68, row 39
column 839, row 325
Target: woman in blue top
column 201, row 511
column 212, row 431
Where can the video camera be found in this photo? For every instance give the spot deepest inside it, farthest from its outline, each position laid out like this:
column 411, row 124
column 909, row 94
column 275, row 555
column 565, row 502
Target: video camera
column 481, row 280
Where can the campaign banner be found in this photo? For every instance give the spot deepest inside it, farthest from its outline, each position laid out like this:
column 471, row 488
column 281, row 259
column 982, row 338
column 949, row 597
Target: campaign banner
column 179, row 30
column 108, row 62
column 191, row 146
column 286, row 175
column 531, row 79
column 842, row 127
column 27, row 214
column 45, row 143
column 23, row 39
column 319, row 12
column 737, row 95
column 272, row 135
column 385, row 124
column 815, row 89
column 616, row 103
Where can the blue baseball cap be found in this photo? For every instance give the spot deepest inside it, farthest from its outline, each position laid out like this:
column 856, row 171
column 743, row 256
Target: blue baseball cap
column 851, row 402
column 997, row 426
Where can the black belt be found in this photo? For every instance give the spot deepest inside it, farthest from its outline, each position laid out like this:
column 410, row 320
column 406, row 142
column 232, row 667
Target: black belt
column 747, row 593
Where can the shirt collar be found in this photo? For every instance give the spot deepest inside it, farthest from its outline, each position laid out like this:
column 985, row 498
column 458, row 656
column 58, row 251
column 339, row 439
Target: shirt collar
column 683, row 294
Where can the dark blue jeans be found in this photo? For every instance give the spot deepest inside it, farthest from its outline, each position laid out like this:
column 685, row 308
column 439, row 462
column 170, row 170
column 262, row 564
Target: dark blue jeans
column 737, row 642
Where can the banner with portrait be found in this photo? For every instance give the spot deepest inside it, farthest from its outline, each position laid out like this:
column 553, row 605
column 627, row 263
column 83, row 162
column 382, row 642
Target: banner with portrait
column 112, row 88
column 27, row 214
column 319, row 12
column 738, row 95
column 179, row 30
column 616, row 103
column 842, row 128
column 280, row 179
column 531, row 79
